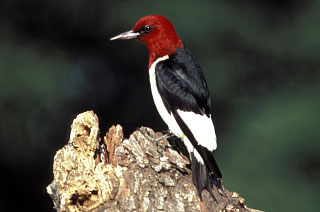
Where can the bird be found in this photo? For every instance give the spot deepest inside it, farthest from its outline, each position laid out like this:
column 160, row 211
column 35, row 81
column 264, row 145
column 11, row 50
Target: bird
column 181, row 95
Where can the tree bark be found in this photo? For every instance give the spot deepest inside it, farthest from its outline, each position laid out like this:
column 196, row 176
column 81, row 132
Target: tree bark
column 115, row 174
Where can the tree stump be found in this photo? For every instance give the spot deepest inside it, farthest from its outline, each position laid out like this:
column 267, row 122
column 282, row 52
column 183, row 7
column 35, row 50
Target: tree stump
column 115, row 174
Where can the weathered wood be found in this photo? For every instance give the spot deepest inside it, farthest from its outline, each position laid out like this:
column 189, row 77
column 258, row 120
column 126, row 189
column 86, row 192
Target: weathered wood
column 119, row 174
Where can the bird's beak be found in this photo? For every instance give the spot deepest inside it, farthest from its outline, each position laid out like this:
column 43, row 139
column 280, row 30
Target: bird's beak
column 126, row 36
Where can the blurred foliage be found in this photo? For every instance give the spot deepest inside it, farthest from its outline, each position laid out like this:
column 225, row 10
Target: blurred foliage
column 261, row 60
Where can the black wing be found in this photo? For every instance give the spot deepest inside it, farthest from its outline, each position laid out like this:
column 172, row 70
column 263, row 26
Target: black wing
column 182, row 86
column 181, row 83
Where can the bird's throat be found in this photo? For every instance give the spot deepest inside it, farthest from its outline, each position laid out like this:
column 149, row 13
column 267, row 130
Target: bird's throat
column 157, row 50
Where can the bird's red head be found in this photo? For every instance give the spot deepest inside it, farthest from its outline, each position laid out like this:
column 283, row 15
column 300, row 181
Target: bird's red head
column 158, row 34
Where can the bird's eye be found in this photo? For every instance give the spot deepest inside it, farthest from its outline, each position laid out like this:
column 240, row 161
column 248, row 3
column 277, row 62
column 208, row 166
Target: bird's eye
column 147, row 29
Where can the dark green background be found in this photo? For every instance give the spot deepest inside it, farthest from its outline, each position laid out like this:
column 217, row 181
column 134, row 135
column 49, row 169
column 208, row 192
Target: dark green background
column 260, row 58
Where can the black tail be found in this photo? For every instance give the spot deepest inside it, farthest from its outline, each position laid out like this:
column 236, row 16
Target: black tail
column 203, row 178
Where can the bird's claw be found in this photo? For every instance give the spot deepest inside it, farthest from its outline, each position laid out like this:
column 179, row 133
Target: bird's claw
column 156, row 141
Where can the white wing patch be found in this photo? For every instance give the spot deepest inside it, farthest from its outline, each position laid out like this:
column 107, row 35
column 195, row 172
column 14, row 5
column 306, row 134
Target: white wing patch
column 201, row 127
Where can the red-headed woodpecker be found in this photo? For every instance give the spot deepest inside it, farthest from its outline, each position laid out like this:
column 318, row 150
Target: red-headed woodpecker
column 181, row 95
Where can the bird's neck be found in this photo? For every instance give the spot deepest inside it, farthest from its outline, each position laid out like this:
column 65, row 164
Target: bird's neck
column 160, row 49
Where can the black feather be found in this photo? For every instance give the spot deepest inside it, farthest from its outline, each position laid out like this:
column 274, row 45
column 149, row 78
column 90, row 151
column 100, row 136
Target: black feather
column 200, row 177
column 182, row 86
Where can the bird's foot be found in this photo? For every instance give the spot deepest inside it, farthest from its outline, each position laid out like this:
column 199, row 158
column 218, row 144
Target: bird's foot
column 156, row 141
